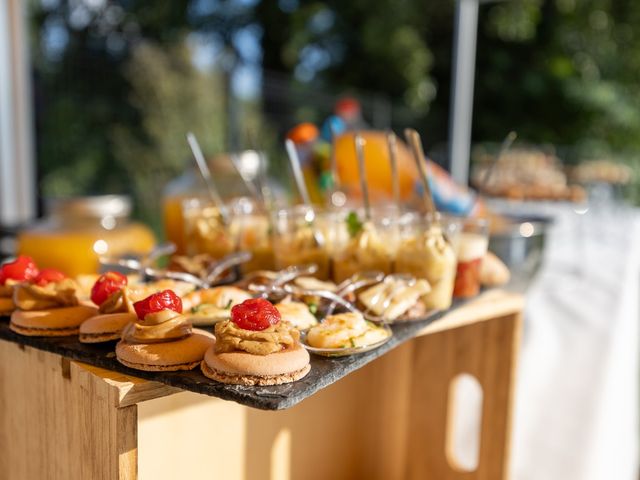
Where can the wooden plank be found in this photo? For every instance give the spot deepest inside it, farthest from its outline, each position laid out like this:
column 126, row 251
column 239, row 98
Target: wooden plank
column 59, row 421
column 486, row 350
column 489, row 305
column 130, row 390
column 355, row 428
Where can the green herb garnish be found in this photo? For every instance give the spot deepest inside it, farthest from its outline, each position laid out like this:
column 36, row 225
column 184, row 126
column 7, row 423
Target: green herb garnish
column 201, row 307
column 228, row 305
column 354, row 225
column 313, row 308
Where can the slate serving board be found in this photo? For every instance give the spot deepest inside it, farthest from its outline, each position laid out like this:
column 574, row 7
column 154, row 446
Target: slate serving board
column 324, row 371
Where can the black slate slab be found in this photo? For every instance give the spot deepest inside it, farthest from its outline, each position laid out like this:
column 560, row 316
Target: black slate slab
column 324, row 371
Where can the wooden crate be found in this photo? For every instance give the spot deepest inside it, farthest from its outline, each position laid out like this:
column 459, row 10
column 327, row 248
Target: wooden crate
column 390, row 419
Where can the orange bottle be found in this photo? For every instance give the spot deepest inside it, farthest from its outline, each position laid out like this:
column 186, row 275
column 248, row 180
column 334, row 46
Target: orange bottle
column 377, row 166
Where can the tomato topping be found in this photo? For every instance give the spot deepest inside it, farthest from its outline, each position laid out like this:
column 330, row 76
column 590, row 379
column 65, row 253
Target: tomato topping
column 48, row 275
column 255, row 314
column 22, row 269
column 106, row 285
column 165, row 300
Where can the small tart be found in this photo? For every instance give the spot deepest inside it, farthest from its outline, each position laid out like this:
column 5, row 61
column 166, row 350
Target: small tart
column 241, row 368
column 53, row 322
column 183, row 354
column 103, row 328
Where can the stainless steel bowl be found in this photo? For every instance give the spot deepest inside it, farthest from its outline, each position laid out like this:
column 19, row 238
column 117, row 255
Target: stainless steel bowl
column 520, row 245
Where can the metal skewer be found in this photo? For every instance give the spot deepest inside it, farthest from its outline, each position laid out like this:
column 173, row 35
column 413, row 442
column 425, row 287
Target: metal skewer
column 225, row 263
column 506, row 145
column 206, row 175
column 294, row 159
column 413, row 138
column 359, row 144
column 251, row 187
column 393, row 161
column 334, row 158
column 158, row 251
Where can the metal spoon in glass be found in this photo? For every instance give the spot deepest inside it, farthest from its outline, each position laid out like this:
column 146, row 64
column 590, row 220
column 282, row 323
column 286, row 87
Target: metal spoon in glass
column 208, row 179
column 294, row 159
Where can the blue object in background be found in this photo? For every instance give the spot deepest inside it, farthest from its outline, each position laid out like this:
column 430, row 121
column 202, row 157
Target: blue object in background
column 332, row 125
column 448, row 200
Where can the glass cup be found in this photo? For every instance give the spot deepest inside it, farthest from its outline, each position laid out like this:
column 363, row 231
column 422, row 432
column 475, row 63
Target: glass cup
column 204, row 230
column 365, row 245
column 425, row 251
column 470, row 246
column 252, row 227
column 303, row 236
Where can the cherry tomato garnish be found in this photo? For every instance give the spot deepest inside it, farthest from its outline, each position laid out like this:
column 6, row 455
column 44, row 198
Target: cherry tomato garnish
column 22, row 269
column 165, row 300
column 48, row 275
column 255, row 314
column 106, row 285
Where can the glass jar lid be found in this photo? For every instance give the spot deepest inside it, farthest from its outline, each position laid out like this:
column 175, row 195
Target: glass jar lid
column 90, row 207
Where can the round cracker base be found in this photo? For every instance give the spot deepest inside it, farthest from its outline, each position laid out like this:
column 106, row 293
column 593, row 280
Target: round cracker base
column 159, row 368
column 250, row 380
column 43, row 332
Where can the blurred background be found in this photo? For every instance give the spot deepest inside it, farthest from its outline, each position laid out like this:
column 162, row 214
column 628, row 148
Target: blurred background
column 116, row 83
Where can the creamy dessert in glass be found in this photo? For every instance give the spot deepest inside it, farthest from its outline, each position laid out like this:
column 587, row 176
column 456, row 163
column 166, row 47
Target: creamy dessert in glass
column 205, row 230
column 470, row 246
column 425, row 252
column 369, row 245
column 254, row 233
column 303, row 236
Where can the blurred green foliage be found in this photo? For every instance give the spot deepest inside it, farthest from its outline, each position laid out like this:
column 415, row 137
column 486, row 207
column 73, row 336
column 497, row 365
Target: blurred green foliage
column 117, row 85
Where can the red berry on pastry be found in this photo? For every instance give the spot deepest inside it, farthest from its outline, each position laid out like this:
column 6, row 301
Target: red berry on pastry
column 22, row 269
column 255, row 314
column 165, row 300
column 48, row 275
column 106, row 285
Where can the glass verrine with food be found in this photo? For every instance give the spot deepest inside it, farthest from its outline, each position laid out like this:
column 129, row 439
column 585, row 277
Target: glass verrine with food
column 254, row 233
column 470, row 246
column 425, row 251
column 369, row 245
column 302, row 236
column 205, row 230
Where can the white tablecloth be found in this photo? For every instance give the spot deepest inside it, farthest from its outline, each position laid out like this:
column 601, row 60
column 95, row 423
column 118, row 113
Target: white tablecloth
column 576, row 413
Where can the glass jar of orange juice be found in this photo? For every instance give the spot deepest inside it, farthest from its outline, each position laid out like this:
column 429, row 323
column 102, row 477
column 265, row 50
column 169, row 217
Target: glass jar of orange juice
column 78, row 230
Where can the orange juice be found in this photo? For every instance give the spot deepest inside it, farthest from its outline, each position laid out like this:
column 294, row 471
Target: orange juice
column 173, row 220
column 77, row 252
column 80, row 230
